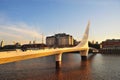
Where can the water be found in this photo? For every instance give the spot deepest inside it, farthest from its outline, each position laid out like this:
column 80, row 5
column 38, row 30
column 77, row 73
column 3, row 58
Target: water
column 97, row 67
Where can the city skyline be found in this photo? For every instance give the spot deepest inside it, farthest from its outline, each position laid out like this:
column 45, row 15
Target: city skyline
column 25, row 21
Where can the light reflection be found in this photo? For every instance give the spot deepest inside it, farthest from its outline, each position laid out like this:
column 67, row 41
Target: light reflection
column 85, row 68
column 59, row 74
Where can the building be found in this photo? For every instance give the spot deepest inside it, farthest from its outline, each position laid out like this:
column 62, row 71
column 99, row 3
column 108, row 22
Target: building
column 64, row 41
column 50, row 41
column 110, row 46
column 33, row 47
column 2, row 43
column 59, row 40
column 111, row 43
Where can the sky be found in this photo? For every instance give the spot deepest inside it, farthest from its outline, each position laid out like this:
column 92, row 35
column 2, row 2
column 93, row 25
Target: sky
column 27, row 20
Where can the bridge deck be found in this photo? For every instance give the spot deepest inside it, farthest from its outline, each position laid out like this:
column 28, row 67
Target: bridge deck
column 11, row 56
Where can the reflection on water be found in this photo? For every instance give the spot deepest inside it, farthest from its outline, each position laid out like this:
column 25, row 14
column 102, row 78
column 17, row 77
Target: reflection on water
column 97, row 67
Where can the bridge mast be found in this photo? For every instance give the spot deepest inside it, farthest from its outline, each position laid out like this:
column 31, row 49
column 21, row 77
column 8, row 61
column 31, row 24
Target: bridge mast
column 84, row 43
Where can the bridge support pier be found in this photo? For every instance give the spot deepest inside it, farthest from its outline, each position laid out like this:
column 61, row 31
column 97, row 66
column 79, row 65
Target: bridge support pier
column 83, row 58
column 58, row 58
column 84, row 55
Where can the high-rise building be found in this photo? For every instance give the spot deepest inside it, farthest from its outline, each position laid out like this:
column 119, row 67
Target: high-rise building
column 50, row 41
column 59, row 40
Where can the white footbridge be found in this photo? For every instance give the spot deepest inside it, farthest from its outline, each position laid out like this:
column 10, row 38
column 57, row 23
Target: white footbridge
column 12, row 56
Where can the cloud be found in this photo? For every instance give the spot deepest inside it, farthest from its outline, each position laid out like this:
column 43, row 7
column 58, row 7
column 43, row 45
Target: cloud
column 19, row 32
column 4, row 34
column 24, row 30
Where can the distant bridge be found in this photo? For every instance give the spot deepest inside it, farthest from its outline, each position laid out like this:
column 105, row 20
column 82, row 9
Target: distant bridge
column 94, row 50
column 11, row 56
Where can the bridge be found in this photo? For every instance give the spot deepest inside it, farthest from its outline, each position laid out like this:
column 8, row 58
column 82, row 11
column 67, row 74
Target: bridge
column 94, row 50
column 12, row 56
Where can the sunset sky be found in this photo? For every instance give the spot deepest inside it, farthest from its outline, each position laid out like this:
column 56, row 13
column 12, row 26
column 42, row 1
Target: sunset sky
column 26, row 20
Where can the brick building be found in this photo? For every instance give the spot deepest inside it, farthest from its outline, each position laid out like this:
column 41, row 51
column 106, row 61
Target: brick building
column 111, row 43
